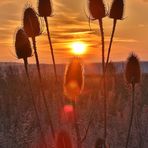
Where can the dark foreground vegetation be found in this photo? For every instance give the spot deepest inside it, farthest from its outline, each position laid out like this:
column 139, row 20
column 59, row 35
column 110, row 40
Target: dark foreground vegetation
column 18, row 123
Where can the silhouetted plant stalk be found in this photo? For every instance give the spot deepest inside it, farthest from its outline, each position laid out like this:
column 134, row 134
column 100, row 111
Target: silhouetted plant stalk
column 32, row 28
column 45, row 11
column 98, row 12
column 116, row 13
column 133, row 75
column 73, row 86
column 23, row 51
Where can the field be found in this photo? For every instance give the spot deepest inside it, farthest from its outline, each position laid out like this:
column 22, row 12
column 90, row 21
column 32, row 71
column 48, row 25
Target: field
column 18, row 123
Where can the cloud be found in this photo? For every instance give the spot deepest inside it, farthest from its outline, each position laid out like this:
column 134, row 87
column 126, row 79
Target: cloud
column 70, row 24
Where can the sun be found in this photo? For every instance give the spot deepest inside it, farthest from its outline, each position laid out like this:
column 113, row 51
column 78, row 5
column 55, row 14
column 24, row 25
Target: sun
column 78, row 48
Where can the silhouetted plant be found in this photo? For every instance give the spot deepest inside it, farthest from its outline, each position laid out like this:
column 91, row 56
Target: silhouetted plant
column 73, row 85
column 32, row 28
column 116, row 13
column 97, row 10
column 31, row 23
column 63, row 140
column 133, row 75
column 45, row 10
column 24, row 51
column 22, row 45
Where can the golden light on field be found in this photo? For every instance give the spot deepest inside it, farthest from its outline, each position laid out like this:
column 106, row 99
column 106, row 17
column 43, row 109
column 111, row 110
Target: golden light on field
column 78, row 48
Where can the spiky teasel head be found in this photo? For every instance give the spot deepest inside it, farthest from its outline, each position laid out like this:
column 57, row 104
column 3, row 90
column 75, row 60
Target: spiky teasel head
column 133, row 72
column 74, row 79
column 117, row 10
column 97, row 9
column 31, row 23
column 45, row 8
column 22, row 45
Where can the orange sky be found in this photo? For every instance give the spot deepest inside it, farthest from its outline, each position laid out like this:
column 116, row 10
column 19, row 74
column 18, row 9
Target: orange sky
column 69, row 24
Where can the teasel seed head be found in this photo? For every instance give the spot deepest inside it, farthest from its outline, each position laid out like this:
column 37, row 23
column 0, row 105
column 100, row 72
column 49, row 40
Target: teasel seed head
column 22, row 45
column 133, row 72
column 45, row 8
column 31, row 23
column 74, row 79
column 97, row 9
column 117, row 10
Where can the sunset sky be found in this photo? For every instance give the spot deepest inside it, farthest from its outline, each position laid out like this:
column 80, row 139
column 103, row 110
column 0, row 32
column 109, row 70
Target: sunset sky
column 70, row 24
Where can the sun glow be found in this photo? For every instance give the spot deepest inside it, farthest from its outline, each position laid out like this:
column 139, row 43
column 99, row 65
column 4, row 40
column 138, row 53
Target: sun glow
column 78, row 48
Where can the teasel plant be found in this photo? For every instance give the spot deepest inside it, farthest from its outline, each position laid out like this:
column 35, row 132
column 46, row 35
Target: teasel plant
column 45, row 11
column 116, row 13
column 23, row 51
column 133, row 76
column 31, row 26
column 73, row 86
column 98, row 12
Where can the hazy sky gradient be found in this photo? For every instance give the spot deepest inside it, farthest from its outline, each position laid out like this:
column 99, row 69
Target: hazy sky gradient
column 70, row 24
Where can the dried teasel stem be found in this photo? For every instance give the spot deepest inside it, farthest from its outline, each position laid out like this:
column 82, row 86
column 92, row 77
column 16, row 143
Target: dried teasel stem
column 104, row 78
column 51, row 48
column 132, row 115
column 103, row 46
column 33, row 101
column 42, row 90
column 111, row 41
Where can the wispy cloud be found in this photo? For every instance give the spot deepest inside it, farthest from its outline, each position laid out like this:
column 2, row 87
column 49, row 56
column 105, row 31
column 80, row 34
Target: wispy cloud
column 70, row 24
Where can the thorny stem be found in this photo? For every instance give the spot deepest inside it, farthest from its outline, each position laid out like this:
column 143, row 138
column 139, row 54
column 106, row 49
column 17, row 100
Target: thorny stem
column 51, row 48
column 104, row 84
column 132, row 115
column 33, row 102
column 76, row 126
column 41, row 87
column 111, row 41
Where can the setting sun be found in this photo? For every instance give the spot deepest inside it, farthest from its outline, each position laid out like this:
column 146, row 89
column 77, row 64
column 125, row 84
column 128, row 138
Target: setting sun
column 78, row 48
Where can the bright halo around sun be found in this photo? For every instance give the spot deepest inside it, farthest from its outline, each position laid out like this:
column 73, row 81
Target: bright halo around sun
column 78, row 48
